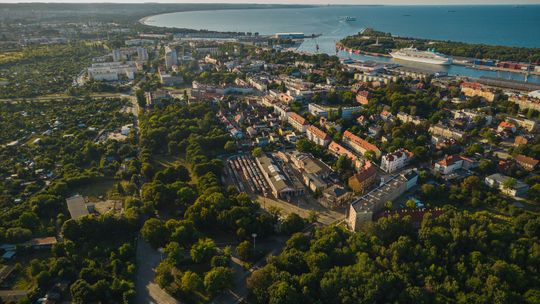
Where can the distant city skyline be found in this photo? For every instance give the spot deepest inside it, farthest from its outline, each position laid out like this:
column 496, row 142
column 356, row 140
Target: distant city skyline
column 316, row 2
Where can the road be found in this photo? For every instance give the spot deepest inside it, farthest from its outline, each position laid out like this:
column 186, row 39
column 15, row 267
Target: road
column 148, row 292
column 12, row 295
column 302, row 207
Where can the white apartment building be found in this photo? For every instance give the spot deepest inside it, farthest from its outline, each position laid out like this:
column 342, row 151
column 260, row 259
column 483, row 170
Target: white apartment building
column 171, row 57
column 392, row 162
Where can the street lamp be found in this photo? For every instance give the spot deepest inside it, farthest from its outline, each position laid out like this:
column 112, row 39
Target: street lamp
column 254, row 235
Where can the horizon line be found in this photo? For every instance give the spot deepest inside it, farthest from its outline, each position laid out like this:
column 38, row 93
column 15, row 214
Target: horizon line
column 273, row 3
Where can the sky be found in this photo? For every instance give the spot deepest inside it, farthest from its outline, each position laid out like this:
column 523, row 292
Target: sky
column 388, row 2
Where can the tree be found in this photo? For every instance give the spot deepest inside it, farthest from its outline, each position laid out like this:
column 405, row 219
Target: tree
column 411, row 204
column 230, row 146
column 509, row 183
column 29, row 220
column 243, row 250
column 81, row 292
column 343, row 164
column 218, row 279
column 534, row 193
column 370, row 155
column 259, row 282
column 155, row 233
column 282, row 293
column 192, row 282
column 141, row 99
column 203, row 250
column 292, row 223
column 313, row 216
column 257, row 152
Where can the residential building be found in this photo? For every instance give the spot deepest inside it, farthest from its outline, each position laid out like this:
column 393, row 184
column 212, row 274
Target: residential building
column 362, row 97
column 452, row 163
column 506, row 126
column 296, row 121
column 314, row 172
column 335, row 196
column 318, row 136
column 446, row 132
column 527, row 124
column 168, row 79
column 471, row 116
column 327, row 111
column 386, row 115
column 499, row 181
column 392, row 162
column 142, row 54
column 364, row 179
column 526, row 102
column 405, row 118
column 471, row 89
column 338, row 150
column 112, row 71
column 359, row 145
column 364, row 208
column 528, row 163
column 155, row 97
column 330, row 125
column 171, row 57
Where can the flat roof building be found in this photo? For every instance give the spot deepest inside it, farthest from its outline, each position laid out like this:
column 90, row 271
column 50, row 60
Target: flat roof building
column 364, row 208
column 281, row 186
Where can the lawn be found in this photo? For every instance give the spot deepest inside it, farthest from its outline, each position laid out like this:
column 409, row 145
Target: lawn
column 98, row 190
column 167, row 161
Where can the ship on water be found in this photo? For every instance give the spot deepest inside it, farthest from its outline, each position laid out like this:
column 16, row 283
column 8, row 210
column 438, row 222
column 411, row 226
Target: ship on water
column 350, row 19
column 430, row 56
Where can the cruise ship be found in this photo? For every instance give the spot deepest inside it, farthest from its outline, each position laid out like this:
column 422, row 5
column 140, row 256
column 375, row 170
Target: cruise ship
column 429, row 56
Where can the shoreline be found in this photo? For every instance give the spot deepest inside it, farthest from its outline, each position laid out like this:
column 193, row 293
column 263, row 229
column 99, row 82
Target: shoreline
column 143, row 20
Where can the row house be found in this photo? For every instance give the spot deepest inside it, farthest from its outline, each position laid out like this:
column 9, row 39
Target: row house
column 359, row 145
column 471, row 89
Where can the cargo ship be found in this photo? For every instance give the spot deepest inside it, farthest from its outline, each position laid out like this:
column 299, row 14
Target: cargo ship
column 429, row 56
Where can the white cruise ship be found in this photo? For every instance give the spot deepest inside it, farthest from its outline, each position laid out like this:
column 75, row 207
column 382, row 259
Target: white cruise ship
column 429, row 56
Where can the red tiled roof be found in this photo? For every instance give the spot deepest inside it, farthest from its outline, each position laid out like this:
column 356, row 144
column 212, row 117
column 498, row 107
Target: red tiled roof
column 301, row 120
column 360, row 142
column 398, row 153
column 366, row 172
column 526, row 160
column 340, row 150
column 449, row 160
column 318, row 132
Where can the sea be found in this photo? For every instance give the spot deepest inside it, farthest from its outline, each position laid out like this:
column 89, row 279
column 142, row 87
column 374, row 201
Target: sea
column 509, row 25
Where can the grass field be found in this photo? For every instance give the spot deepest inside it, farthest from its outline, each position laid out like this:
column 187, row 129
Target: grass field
column 97, row 191
column 7, row 57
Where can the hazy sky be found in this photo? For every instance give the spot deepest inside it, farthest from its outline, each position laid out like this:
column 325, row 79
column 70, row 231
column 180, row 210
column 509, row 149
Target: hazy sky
column 400, row 2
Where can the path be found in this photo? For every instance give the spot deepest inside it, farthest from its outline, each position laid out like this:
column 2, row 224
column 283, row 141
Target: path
column 239, row 292
column 12, row 295
column 148, row 292
column 302, row 207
